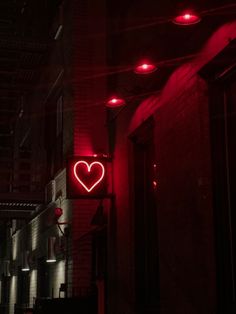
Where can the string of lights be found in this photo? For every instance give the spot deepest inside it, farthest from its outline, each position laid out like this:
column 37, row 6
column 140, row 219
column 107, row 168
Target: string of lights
column 83, row 72
column 221, row 10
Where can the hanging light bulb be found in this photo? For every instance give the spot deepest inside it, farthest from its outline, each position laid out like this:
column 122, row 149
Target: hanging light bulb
column 115, row 102
column 51, row 256
column 187, row 18
column 145, row 67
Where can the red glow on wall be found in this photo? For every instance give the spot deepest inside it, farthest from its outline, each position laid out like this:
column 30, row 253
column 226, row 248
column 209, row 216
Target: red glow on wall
column 115, row 102
column 86, row 177
column 145, row 68
column 187, row 18
column 89, row 175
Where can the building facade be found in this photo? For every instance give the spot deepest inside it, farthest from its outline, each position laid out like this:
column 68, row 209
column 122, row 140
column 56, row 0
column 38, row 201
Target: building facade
column 155, row 231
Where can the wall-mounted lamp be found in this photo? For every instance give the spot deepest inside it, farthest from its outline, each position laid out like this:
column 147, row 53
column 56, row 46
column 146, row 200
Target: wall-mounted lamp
column 58, row 212
column 58, row 32
column 25, row 261
column 51, row 256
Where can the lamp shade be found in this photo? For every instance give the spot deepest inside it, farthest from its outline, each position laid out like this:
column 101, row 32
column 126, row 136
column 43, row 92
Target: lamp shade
column 51, row 256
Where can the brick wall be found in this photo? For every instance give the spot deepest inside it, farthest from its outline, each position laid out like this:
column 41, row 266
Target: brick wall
column 89, row 76
column 89, row 91
column 69, row 63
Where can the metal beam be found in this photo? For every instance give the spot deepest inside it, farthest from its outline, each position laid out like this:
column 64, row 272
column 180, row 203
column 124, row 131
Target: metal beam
column 27, row 197
column 15, row 214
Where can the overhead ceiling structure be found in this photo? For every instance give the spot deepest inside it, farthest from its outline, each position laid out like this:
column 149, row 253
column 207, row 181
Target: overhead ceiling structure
column 24, row 43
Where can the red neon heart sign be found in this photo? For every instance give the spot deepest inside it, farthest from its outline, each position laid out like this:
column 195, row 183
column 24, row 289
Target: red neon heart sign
column 95, row 171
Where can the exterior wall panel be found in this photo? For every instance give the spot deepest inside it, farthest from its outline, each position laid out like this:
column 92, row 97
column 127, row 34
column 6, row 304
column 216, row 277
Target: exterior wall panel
column 185, row 214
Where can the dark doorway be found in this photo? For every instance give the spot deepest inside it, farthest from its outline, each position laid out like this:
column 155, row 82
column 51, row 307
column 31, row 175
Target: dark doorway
column 145, row 221
column 223, row 147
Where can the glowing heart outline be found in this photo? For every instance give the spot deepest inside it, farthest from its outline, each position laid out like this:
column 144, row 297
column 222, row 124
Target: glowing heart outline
column 89, row 166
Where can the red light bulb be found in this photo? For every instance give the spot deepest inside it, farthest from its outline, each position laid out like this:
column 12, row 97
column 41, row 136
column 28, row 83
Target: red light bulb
column 187, row 18
column 145, row 68
column 58, row 212
column 115, row 102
